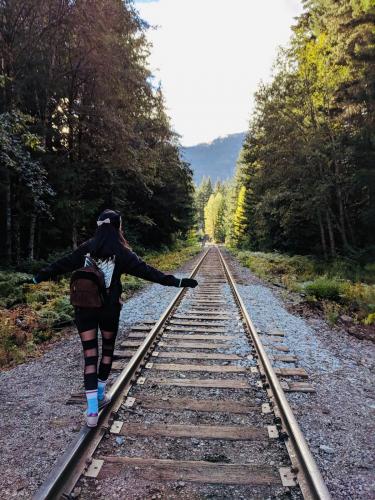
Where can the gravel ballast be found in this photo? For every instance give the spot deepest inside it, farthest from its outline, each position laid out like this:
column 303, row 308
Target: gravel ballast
column 37, row 426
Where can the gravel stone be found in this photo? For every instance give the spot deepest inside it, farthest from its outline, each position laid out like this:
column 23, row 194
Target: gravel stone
column 337, row 421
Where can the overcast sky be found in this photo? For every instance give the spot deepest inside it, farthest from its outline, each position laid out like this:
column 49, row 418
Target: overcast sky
column 210, row 56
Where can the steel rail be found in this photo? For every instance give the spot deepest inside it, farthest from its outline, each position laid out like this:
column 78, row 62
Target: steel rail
column 53, row 486
column 312, row 474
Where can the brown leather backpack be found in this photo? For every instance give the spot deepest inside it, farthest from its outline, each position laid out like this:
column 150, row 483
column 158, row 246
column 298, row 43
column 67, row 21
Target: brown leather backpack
column 87, row 286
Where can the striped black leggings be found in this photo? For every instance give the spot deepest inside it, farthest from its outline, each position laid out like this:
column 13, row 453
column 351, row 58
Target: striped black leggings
column 88, row 322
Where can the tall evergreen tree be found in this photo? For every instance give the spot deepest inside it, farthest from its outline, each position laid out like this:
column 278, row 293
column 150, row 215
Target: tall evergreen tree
column 241, row 222
column 309, row 154
column 79, row 71
column 202, row 196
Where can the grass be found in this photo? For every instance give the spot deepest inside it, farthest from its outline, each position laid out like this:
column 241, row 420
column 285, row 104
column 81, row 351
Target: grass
column 341, row 286
column 31, row 315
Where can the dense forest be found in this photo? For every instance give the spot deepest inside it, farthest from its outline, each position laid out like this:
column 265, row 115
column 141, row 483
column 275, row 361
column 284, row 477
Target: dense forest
column 305, row 181
column 83, row 127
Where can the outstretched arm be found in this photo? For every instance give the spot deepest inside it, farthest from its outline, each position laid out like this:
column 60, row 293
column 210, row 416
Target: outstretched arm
column 134, row 265
column 66, row 264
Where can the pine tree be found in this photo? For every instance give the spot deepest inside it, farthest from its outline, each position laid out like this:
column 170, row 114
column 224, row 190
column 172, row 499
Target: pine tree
column 309, row 152
column 219, row 230
column 202, row 195
column 214, row 217
column 241, row 222
column 79, row 70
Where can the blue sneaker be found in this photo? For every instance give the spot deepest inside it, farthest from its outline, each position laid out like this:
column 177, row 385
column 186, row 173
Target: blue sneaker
column 104, row 402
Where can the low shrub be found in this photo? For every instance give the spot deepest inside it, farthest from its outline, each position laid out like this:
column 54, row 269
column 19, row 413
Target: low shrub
column 57, row 312
column 131, row 284
column 370, row 319
column 325, row 288
column 360, row 298
column 343, row 281
column 332, row 311
column 277, row 266
column 15, row 335
column 11, row 289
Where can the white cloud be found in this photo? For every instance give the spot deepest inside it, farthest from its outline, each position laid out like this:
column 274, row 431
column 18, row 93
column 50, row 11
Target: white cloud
column 210, row 56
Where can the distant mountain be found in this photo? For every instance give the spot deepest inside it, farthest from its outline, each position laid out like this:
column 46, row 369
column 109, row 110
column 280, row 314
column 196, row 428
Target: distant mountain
column 216, row 159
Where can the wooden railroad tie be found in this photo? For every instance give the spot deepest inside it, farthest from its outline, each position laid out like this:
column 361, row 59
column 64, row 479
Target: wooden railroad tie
column 200, row 383
column 194, row 316
column 192, row 345
column 195, row 323
column 196, row 328
column 196, row 368
column 195, row 355
column 188, row 470
column 225, row 432
column 192, row 336
column 202, row 405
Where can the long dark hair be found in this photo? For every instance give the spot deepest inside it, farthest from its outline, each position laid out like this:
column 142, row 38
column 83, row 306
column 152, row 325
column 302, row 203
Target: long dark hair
column 108, row 239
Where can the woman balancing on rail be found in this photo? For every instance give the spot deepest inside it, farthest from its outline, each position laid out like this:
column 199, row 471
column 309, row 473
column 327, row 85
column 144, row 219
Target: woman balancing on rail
column 95, row 292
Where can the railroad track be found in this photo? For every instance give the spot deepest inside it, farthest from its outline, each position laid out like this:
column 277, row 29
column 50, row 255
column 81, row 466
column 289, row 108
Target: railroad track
column 197, row 411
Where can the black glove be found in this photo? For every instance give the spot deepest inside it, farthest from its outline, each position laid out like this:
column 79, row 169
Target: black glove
column 170, row 280
column 188, row 283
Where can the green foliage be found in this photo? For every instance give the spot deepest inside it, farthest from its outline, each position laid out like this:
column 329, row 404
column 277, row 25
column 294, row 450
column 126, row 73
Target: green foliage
column 83, row 128
column 214, row 213
column 276, row 266
column 332, row 312
column 333, row 283
column 202, row 195
column 11, row 289
column 8, row 347
column 370, row 319
column 240, row 219
column 57, row 312
column 305, row 181
column 168, row 260
column 325, row 288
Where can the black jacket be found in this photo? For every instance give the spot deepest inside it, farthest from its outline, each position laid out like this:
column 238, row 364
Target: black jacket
column 127, row 262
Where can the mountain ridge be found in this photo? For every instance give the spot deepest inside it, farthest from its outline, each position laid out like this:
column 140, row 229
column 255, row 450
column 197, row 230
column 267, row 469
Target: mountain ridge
column 216, row 159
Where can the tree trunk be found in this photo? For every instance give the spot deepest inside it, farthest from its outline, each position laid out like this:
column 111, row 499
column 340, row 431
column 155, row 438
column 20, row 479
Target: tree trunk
column 8, row 216
column 17, row 238
column 38, row 241
column 350, row 228
column 74, row 235
column 332, row 243
column 322, row 235
column 49, row 129
column 32, row 236
column 342, row 228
